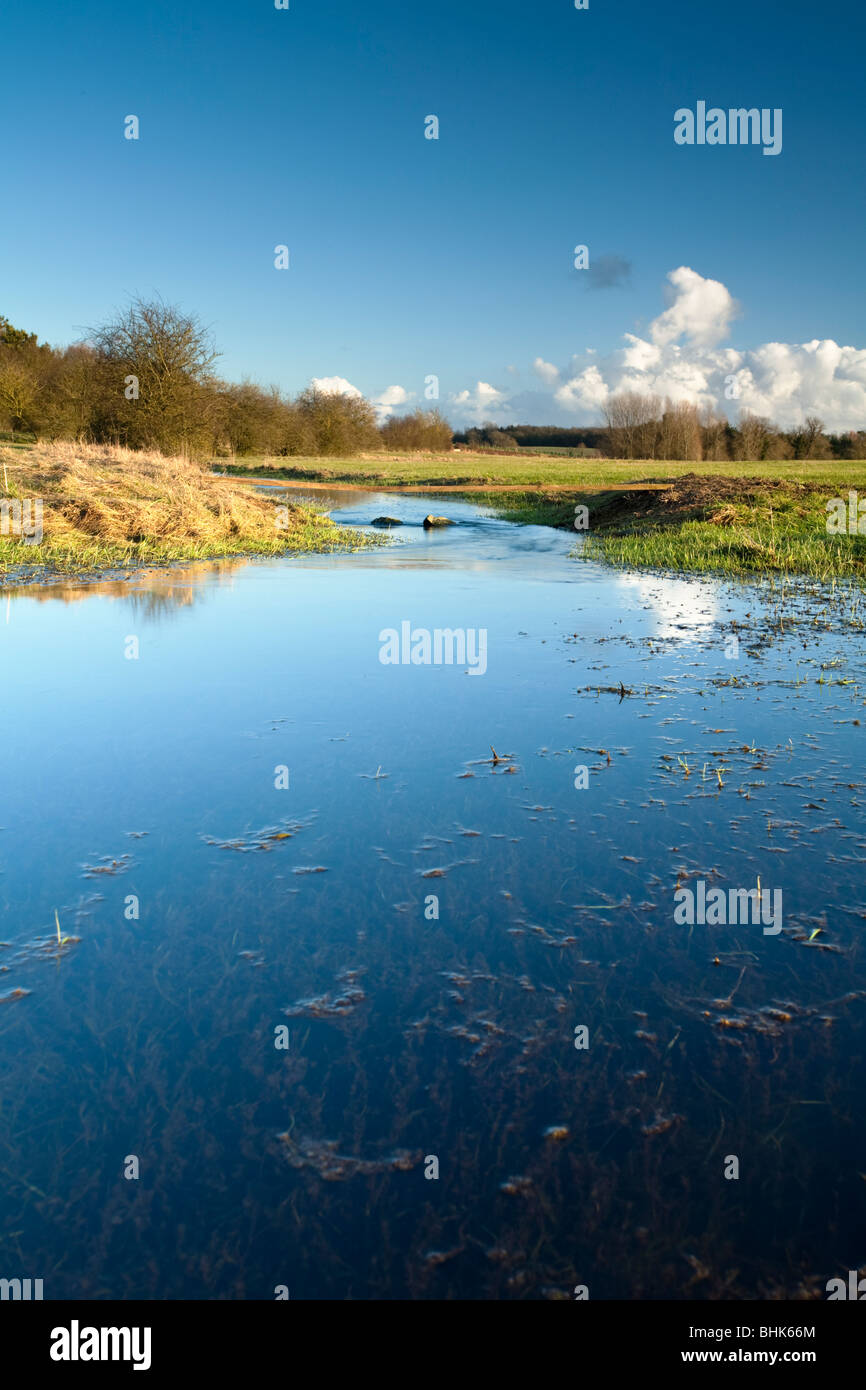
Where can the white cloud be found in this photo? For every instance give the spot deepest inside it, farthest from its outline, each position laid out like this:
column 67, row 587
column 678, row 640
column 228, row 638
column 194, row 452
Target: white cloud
column 701, row 310
column 334, row 386
column 481, row 404
column 681, row 358
column 390, row 398
column 586, row 392
column 545, row 370
column 640, row 355
column 385, row 403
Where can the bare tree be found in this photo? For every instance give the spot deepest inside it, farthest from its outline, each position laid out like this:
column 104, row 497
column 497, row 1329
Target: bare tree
column 714, row 434
column 755, row 433
column 633, row 424
column 808, row 440
column 159, row 362
column 680, row 436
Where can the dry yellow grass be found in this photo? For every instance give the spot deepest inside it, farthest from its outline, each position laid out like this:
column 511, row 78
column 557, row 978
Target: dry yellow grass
column 108, row 506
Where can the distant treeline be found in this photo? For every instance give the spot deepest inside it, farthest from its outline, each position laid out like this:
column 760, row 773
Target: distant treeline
column 533, row 436
column 647, row 427
column 146, row 380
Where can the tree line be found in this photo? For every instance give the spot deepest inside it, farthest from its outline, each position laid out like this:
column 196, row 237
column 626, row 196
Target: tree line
column 647, row 427
column 147, row 380
column 538, row 436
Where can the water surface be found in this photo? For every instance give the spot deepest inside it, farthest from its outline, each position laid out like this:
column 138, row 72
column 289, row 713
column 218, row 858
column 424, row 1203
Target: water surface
column 411, row 1036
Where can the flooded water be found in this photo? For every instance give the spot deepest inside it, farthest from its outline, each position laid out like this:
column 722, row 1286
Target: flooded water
column 374, row 1013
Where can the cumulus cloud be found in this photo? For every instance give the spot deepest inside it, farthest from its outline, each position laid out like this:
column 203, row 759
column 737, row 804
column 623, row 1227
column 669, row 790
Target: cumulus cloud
column 700, row 310
column 545, row 370
column 334, row 386
column 390, row 398
column 586, row 392
column 681, row 357
column 485, row 402
column 384, row 404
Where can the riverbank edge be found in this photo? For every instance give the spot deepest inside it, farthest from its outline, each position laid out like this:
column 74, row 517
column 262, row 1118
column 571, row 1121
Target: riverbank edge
column 693, row 523
column 76, row 511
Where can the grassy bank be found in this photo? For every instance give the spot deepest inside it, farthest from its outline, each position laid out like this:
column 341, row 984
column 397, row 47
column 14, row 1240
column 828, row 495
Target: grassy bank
column 107, row 508
column 708, row 524
column 712, row 517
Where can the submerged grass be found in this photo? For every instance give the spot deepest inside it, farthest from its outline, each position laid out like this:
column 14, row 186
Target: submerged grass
column 107, row 507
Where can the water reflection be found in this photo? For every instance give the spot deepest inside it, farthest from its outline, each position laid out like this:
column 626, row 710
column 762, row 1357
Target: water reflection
column 679, row 605
column 152, row 593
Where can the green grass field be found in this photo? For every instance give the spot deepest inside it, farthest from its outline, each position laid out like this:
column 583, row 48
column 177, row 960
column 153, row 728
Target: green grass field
column 462, row 467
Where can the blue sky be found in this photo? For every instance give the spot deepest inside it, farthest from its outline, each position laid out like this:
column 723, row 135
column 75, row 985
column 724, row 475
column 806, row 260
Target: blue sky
column 412, row 256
